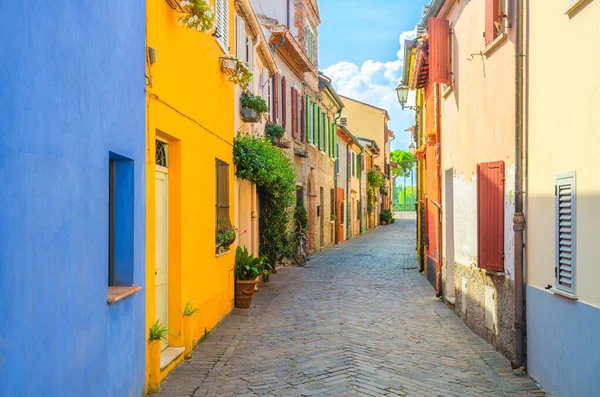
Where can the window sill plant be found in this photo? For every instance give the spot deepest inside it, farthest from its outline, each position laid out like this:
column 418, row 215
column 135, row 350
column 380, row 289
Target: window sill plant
column 274, row 131
column 253, row 107
column 199, row 15
column 225, row 235
column 237, row 71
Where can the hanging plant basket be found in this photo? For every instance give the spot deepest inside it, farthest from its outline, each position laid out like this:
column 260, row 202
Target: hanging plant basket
column 250, row 115
column 228, row 65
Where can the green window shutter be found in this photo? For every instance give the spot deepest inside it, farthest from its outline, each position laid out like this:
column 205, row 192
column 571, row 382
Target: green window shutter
column 326, row 132
column 307, row 113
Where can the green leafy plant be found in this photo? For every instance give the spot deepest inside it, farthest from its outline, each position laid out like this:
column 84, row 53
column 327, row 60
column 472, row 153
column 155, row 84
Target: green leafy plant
column 267, row 166
column 301, row 217
column 386, row 216
column 189, row 309
column 254, row 102
column 242, row 75
column 383, row 190
column 225, row 234
column 273, row 130
column 248, row 267
column 198, row 15
column 374, row 179
column 158, row 331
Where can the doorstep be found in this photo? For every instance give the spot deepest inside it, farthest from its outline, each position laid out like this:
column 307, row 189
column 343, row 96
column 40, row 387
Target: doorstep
column 450, row 299
column 169, row 355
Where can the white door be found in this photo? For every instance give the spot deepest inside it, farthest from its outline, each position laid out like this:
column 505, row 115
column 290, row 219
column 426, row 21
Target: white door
column 162, row 248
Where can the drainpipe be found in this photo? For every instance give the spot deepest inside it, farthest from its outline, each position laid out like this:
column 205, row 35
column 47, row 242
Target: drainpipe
column 335, row 181
column 519, row 217
column 276, row 46
column 438, row 127
column 348, row 192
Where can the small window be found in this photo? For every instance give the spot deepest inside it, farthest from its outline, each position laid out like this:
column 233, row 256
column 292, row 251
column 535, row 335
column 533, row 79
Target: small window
column 120, row 220
column 332, row 203
column 299, row 196
column 565, row 232
column 222, row 192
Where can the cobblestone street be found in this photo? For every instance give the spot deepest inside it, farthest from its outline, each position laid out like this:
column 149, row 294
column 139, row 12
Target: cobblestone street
column 358, row 320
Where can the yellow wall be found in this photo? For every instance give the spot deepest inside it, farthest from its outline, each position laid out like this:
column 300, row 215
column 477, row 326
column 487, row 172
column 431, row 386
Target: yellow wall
column 366, row 122
column 189, row 104
column 563, row 136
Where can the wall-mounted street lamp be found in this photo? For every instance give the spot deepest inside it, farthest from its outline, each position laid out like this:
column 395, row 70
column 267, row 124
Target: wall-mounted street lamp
column 412, row 148
column 402, row 92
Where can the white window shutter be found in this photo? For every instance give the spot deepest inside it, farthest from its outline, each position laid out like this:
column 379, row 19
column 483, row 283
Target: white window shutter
column 565, row 232
column 222, row 23
column 240, row 38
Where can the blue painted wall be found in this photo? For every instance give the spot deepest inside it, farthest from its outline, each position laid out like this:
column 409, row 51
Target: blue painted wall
column 563, row 344
column 71, row 92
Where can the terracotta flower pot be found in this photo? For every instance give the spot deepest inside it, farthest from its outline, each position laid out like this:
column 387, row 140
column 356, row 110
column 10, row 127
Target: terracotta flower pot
column 154, row 366
column 188, row 335
column 244, row 291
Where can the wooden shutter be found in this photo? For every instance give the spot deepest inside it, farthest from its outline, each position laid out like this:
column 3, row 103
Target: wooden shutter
column 359, row 166
column 240, row 38
column 565, row 232
column 294, row 113
column 275, row 98
column 349, row 165
column 222, row 23
column 283, row 103
column 222, row 192
column 439, row 50
column 490, row 215
column 492, row 15
column 302, row 118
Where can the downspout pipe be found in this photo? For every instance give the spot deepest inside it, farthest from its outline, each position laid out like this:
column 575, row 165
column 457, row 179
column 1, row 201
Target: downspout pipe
column 335, row 182
column 519, row 217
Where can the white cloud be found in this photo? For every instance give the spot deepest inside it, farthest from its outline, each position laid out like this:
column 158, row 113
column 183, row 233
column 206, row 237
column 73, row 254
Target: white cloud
column 375, row 83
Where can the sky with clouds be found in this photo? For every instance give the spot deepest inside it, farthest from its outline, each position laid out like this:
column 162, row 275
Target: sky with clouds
column 360, row 49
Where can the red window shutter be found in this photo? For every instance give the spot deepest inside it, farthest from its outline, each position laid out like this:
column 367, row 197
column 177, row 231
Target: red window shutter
column 275, row 98
column 283, row 103
column 490, row 215
column 294, row 112
column 302, row 118
column 492, row 15
column 439, row 51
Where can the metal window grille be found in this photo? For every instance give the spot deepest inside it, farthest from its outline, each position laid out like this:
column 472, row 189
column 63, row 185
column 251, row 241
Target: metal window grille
column 222, row 192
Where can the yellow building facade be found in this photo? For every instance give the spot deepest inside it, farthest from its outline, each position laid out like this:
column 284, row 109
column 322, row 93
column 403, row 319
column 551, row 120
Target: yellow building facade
column 190, row 174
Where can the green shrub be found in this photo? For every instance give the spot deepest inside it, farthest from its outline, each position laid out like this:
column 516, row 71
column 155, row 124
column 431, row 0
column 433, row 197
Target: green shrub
column 259, row 162
column 301, row 217
column 386, row 216
column 189, row 309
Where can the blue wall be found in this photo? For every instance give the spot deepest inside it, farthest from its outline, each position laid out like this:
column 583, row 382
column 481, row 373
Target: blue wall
column 71, row 91
column 563, row 344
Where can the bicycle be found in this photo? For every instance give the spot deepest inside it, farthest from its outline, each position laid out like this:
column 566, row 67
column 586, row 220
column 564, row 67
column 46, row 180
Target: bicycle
column 300, row 255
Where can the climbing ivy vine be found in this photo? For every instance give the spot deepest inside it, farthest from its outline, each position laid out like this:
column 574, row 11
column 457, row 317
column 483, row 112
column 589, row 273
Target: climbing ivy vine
column 259, row 162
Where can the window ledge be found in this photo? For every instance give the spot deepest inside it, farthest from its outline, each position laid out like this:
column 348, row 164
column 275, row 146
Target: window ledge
column 578, row 5
column 448, row 91
column 495, row 44
column 493, row 272
column 115, row 294
column 564, row 294
column 223, row 253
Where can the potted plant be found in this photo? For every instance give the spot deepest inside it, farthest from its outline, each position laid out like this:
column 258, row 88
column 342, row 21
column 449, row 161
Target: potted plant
column 238, row 71
column 253, row 106
column 225, row 235
column 198, row 15
column 158, row 332
column 247, row 270
column 386, row 217
column 188, row 327
column 274, row 131
column 383, row 190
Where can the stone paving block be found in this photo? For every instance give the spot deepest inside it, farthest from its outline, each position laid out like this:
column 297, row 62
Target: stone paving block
column 358, row 320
